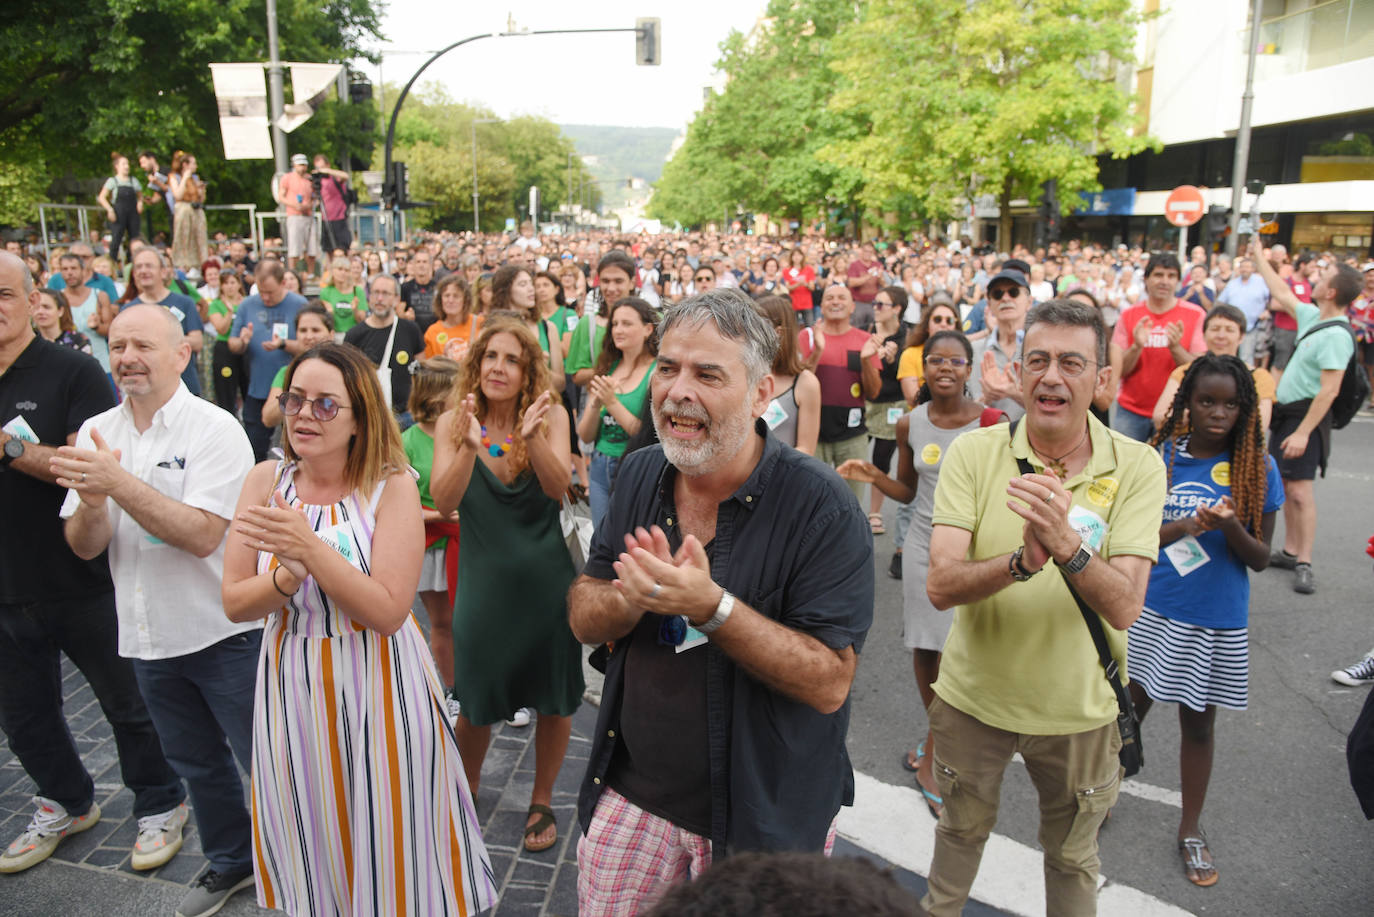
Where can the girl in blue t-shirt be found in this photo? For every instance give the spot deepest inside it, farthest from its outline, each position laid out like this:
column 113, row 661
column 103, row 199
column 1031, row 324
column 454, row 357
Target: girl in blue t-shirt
column 1189, row 645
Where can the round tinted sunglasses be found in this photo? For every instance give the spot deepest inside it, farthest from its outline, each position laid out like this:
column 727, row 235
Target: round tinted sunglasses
column 322, row 409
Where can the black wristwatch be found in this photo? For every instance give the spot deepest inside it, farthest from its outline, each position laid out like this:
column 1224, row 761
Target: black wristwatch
column 1079, row 560
column 1018, row 570
column 14, row 447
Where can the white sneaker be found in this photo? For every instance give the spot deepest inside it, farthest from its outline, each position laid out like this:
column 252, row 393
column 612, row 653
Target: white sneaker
column 1356, row 674
column 453, row 707
column 159, row 837
column 49, row 825
column 521, row 718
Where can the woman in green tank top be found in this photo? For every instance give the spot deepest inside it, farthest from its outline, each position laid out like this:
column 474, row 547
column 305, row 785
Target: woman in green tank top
column 616, row 394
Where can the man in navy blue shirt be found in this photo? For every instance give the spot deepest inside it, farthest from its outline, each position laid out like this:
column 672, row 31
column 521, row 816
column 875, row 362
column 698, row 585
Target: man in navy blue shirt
column 264, row 329
column 735, row 577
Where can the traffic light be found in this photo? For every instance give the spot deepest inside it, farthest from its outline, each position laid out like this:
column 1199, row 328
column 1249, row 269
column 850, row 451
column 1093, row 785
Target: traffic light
column 1049, row 213
column 648, row 42
column 1217, row 221
column 396, row 181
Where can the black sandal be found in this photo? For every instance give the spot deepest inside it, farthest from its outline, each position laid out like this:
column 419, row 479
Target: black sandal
column 544, row 821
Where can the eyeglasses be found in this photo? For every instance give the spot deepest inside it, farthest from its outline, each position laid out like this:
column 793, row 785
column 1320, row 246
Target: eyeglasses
column 942, row 320
column 1003, row 292
column 1037, row 363
column 882, row 302
column 956, row 362
column 322, row 409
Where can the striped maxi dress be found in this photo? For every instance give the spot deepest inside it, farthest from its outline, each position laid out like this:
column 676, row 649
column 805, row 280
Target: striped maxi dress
column 359, row 800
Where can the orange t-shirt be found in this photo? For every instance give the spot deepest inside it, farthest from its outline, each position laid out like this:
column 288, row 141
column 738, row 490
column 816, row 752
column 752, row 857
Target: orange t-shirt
column 444, row 340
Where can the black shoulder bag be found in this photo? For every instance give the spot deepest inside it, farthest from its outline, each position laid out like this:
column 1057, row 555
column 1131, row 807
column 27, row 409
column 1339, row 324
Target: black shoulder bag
column 1127, row 723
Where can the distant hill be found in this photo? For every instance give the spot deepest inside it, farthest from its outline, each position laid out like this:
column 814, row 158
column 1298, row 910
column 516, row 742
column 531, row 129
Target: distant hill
column 622, row 153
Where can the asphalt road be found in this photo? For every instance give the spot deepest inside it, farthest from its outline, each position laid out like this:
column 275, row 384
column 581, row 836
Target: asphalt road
column 1283, row 824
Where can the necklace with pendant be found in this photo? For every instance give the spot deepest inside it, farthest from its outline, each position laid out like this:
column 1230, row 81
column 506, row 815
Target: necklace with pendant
column 1056, row 465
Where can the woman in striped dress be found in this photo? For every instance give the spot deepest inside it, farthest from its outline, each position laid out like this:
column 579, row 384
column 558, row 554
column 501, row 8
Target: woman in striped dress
column 1189, row 645
column 359, row 801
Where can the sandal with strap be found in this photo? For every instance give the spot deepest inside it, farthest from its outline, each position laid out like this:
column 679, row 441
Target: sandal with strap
column 912, row 762
column 875, row 522
column 543, row 822
column 1199, row 871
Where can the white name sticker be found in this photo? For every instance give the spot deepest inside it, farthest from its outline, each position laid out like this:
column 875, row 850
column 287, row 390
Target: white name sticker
column 19, row 428
column 340, row 539
column 694, row 639
column 281, row 330
column 1186, row 554
column 181, row 316
column 1091, row 527
column 895, row 414
column 856, row 416
column 775, row 415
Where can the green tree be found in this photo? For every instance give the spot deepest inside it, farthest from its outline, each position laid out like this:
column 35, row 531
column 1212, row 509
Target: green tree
column 755, row 144
column 985, row 97
column 84, row 77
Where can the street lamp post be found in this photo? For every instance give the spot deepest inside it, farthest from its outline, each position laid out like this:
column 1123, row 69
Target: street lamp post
column 476, row 221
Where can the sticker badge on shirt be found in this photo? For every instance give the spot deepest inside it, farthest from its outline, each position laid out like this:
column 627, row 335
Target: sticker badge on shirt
column 930, row 454
column 1102, row 492
column 855, row 392
column 19, row 428
column 181, row 316
column 1221, row 474
column 1091, row 527
column 1186, row 554
column 340, row 539
column 856, row 416
column 281, row 330
column 895, row 414
column 774, row 415
column 694, row 639
column 402, row 358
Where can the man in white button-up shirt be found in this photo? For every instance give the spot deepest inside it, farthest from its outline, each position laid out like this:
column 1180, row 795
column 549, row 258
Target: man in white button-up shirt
column 155, row 481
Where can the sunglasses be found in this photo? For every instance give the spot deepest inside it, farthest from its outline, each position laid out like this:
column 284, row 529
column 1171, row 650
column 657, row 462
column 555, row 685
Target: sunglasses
column 322, row 409
column 703, row 277
column 942, row 320
column 1004, row 293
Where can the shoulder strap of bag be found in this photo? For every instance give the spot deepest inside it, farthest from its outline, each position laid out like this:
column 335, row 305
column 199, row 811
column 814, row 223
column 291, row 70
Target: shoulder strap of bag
column 1090, row 617
column 1329, row 323
column 390, row 340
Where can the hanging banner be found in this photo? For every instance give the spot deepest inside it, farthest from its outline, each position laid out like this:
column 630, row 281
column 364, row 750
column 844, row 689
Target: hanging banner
column 310, row 85
column 241, row 94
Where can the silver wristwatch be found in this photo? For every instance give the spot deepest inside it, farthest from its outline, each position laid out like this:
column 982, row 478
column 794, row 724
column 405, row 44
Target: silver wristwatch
column 1079, row 560
column 723, row 609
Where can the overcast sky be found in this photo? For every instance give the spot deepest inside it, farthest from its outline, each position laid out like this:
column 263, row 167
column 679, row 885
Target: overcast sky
column 570, row 79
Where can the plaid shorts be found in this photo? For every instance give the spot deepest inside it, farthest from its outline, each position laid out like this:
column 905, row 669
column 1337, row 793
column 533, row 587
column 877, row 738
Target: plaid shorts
column 628, row 858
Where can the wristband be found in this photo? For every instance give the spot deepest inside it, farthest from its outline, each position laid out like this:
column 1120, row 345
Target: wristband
column 276, row 586
column 723, row 609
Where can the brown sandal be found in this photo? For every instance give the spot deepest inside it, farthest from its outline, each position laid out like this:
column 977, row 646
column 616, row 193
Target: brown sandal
column 544, row 821
column 1199, row 871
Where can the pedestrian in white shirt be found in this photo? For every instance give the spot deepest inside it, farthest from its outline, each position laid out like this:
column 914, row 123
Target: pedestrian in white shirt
column 154, row 481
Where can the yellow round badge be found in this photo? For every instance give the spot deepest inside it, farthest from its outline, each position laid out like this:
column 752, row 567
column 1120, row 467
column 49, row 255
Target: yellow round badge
column 855, row 390
column 226, row 372
column 402, row 358
column 931, row 453
column 442, row 338
column 1102, row 492
column 1221, row 474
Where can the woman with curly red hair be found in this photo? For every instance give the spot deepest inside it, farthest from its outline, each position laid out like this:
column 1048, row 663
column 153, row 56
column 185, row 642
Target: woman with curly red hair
column 501, row 459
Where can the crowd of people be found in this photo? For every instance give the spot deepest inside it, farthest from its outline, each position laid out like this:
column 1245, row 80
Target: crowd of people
column 230, row 544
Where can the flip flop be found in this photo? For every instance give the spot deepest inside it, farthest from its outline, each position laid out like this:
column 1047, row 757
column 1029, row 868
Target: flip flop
column 875, row 522
column 920, row 753
column 1191, row 848
column 541, row 823
column 933, row 801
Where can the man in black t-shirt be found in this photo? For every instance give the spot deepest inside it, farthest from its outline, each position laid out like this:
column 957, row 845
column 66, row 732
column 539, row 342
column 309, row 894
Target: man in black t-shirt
column 51, row 602
column 373, row 334
column 417, row 293
column 723, row 718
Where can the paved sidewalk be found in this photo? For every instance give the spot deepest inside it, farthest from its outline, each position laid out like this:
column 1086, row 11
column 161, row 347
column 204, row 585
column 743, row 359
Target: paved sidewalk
column 90, row 873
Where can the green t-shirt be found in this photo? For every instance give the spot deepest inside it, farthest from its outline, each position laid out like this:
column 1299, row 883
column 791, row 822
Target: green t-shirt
column 280, row 378
column 342, row 304
column 611, row 437
column 419, row 449
column 580, row 355
column 1329, row 348
column 1022, row 659
column 220, row 307
column 559, row 320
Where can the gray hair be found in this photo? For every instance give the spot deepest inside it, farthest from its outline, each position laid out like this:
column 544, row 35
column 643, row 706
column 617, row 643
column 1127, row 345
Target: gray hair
column 1065, row 313
column 735, row 318
column 372, row 282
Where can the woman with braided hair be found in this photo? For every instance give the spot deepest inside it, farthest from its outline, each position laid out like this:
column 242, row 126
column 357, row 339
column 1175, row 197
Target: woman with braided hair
column 1189, row 645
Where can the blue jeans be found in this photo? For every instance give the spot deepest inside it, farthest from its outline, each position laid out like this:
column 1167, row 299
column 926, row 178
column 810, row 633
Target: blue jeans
column 199, row 701
column 906, row 512
column 1136, row 426
column 31, row 639
column 602, row 472
column 259, row 434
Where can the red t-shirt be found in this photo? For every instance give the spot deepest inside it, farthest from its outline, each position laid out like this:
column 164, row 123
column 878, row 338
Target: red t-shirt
column 872, row 272
column 1301, row 289
column 1140, row 390
column 841, row 378
column 801, row 296
column 298, row 192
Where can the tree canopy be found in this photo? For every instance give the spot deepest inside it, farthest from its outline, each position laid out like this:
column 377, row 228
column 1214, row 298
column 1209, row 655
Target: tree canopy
column 85, row 77
column 917, row 106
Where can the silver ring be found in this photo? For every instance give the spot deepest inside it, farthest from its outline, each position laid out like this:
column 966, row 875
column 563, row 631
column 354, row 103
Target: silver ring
column 1049, row 498
column 83, row 477
column 654, row 591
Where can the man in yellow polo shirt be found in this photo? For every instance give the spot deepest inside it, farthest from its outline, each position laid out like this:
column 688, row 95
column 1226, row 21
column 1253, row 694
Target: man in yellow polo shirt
column 1019, row 672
